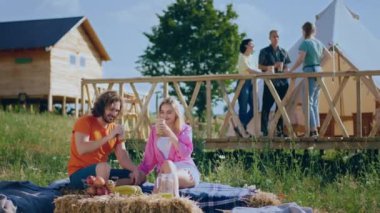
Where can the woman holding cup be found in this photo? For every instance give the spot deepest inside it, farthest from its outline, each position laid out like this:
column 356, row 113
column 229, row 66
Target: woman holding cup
column 170, row 146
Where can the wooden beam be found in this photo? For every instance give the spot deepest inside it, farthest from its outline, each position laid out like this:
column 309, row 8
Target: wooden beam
column 121, row 95
column 332, row 107
column 183, row 101
column 256, row 115
column 230, row 107
column 359, row 131
column 306, row 106
column 307, row 143
column 64, row 106
column 280, row 107
column 96, row 90
column 166, row 90
column 82, row 98
column 208, row 108
column 110, row 86
column 229, row 113
column 76, row 107
column 89, row 99
column 50, row 102
column 337, row 96
column 196, row 78
column 289, row 94
column 144, row 104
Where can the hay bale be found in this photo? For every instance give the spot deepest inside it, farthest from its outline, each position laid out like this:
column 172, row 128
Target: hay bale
column 261, row 199
column 122, row 203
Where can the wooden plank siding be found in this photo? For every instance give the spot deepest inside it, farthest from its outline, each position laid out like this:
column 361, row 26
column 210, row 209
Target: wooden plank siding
column 65, row 77
column 30, row 78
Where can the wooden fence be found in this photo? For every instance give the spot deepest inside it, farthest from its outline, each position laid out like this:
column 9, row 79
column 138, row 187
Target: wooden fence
column 93, row 87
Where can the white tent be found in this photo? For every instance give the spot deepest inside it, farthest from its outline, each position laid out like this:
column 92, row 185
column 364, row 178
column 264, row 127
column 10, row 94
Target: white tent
column 355, row 48
column 338, row 25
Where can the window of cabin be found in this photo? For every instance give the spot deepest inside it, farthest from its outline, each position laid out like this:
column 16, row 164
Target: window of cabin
column 73, row 60
column 23, row 60
column 82, row 61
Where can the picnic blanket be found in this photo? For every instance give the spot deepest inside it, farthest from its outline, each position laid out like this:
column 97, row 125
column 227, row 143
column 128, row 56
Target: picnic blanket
column 28, row 197
column 283, row 208
column 211, row 197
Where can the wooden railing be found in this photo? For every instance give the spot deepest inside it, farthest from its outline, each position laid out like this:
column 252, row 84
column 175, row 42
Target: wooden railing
column 91, row 89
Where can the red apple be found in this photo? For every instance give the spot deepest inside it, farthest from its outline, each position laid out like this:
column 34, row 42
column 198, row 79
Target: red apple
column 101, row 191
column 99, row 181
column 91, row 190
column 90, row 180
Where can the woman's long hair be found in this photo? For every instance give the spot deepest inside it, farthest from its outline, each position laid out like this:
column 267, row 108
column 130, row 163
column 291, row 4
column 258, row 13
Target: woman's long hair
column 179, row 120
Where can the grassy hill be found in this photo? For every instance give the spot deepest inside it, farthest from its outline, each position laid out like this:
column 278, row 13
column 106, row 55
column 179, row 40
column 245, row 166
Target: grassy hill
column 35, row 147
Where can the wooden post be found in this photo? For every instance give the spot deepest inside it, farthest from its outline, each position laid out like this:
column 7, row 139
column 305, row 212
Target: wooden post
column 50, row 102
column 166, row 90
column 306, row 107
column 64, row 106
column 121, row 94
column 359, row 131
column 256, row 116
column 333, row 110
column 208, row 108
column 76, row 107
column 82, row 98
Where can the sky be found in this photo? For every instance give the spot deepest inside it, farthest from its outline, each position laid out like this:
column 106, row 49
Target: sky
column 120, row 24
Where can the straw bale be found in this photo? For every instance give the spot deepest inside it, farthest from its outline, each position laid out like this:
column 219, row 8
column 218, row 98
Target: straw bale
column 261, row 199
column 116, row 203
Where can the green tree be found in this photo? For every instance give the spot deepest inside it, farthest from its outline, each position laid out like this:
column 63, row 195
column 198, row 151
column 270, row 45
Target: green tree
column 192, row 38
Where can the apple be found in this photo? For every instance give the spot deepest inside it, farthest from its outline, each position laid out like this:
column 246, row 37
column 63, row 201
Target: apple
column 99, row 181
column 91, row 190
column 90, row 180
column 101, row 191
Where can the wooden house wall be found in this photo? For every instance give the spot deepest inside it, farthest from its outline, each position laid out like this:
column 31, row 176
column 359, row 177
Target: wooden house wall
column 32, row 78
column 66, row 77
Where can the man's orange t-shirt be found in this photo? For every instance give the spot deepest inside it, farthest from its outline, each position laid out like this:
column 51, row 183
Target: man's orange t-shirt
column 89, row 125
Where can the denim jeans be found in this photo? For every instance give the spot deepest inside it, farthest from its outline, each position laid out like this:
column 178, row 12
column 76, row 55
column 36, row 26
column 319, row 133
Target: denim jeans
column 281, row 86
column 246, row 100
column 314, row 91
column 78, row 178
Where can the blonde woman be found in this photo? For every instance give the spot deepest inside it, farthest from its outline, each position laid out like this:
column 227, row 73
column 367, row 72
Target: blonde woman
column 170, row 145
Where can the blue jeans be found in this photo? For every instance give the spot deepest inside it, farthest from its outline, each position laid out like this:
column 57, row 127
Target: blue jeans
column 314, row 92
column 78, row 178
column 245, row 99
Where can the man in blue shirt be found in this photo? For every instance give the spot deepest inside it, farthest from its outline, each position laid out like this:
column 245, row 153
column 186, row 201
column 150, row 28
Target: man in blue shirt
column 273, row 59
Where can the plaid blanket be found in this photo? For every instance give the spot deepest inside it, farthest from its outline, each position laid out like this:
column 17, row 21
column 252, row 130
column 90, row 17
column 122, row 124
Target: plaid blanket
column 28, row 197
column 212, row 197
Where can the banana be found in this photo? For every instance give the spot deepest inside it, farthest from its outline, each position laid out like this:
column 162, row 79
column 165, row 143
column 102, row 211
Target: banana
column 128, row 190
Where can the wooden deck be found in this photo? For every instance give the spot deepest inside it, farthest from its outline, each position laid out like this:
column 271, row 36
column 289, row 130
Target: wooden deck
column 336, row 88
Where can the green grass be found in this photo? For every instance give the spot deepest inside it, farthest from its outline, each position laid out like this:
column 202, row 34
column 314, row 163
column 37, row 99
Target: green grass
column 35, row 147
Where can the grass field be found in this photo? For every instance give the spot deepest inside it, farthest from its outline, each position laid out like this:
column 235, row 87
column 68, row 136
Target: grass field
column 35, row 147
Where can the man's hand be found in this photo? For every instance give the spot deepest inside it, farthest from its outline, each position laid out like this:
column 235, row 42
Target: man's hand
column 118, row 131
column 138, row 177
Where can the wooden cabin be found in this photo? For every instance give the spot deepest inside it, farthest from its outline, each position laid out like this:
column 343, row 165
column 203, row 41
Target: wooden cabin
column 43, row 61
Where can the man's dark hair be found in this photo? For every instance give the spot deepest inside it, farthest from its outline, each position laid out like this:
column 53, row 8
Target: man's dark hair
column 271, row 32
column 243, row 45
column 103, row 101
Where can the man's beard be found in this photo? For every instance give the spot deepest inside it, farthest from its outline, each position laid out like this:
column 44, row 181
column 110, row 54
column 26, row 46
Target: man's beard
column 108, row 119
